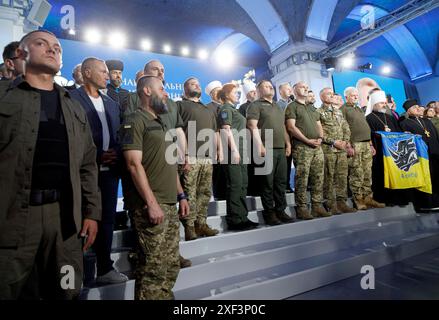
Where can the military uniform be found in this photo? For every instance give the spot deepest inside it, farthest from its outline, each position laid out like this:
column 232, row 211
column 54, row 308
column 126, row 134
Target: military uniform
column 271, row 117
column 360, row 165
column 309, row 162
column 158, row 252
column 197, row 182
column 243, row 108
column 335, row 128
column 435, row 121
column 35, row 229
column 236, row 174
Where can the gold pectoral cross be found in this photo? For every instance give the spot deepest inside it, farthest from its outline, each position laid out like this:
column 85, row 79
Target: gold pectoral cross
column 427, row 133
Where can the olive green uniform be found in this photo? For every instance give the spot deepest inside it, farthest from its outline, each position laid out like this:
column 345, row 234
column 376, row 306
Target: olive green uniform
column 335, row 128
column 309, row 162
column 360, row 165
column 44, row 236
column 158, row 252
column 198, row 181
column 236, row 174
column 271, row 117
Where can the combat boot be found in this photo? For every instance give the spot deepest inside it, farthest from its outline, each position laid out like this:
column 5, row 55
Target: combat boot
column 319, row 212
column 359, row 203
column 184, row 263
column 283, row 217
column 189, row 233
column 270, row 218
column 303, row 213
column 344, row 208
column 332, row 208
column 203, row 230
column 371, row 203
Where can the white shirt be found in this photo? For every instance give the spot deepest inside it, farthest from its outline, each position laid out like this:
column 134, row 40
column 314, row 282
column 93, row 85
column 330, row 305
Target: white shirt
column 99, row 106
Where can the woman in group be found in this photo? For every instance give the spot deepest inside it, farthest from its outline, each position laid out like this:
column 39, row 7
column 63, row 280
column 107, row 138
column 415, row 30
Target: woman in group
column 231, row 124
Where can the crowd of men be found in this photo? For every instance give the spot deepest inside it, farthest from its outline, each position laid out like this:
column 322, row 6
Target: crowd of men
column 64, row 150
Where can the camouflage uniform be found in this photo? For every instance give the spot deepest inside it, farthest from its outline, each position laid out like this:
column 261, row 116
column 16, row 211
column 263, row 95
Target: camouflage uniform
column 158, row 254
column 309, row 161
column 435, row 121
column 197, row 185
column 335, row 128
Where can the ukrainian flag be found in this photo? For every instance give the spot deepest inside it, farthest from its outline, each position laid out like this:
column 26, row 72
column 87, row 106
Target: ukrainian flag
column 406, row 163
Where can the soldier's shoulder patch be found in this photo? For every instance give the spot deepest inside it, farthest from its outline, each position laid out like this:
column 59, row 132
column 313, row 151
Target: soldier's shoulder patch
column 224, row 115
column 126, row 133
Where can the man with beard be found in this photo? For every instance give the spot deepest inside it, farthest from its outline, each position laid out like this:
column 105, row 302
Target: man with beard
column 423, row 126
column 197, row 178
column 380, row 120
column 249, row 90
column 49, row 201
column 104, row 118
column 311, row 99
column 306, row 132
column 153, row 194
column 114, row 89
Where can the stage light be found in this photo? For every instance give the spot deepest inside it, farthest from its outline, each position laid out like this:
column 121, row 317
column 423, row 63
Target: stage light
column 367, row 66
column 93, row 36
column 386, row 70
column 225, row 58
column 117, row 40
column 203, row 54
column 72, row 32
column 347, row 61
column 330, row 64
column 167, row 48
column 185, row 51
column 146, row 44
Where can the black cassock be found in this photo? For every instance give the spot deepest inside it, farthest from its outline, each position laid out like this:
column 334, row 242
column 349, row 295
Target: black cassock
column 380, row 122
column 427, row 130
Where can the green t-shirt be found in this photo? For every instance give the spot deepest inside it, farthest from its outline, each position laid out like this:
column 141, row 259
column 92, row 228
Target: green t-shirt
column 306, row 117
column 270, row 117
column 228, row 115
column 204, row 119
column 141, row 131
column 360, row 130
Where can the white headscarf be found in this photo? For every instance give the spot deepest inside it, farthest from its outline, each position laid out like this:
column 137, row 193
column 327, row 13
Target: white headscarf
column 374, row 98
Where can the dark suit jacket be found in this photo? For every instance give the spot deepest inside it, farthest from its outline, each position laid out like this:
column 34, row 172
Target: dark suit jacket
column 112, row 112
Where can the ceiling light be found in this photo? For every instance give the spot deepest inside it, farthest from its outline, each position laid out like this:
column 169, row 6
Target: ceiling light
column 203, row 54
column 117, row 40
column 93, row 36
column 167, row 48
column 146, row 44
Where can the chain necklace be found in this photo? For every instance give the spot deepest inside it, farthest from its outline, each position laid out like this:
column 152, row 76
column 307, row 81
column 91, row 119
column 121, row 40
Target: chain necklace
column 426, row 132
column 386, row 127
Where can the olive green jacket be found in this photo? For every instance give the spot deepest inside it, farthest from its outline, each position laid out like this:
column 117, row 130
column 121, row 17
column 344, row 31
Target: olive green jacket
column 19, row 122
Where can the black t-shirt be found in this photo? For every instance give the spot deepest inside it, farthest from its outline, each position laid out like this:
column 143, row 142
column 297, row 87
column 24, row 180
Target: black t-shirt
column 51, row 158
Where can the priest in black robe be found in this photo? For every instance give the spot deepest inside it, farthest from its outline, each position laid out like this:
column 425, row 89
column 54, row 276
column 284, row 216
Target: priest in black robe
column 379, row 120
column 416, row 124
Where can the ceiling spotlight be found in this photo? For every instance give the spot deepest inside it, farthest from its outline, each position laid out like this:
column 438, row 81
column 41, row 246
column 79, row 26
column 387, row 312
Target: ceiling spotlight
column 72, row 32
column 146, row 45
column 203, row 54
column 225, row 58
column 347, row 62
column 93, row 36
column 117, row 40
column 167, row 48
column 185, row 51
column 364, row 67
column 386, row 70
column 330, row 64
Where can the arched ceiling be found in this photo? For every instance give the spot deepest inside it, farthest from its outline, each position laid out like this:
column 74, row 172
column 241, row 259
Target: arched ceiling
column 256, row 28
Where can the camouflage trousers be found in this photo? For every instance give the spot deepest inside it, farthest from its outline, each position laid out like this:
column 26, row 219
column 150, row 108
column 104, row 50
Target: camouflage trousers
column 309, row 164
column 197, row 184
column 360, row 170
column 336, row 176
column 158, row 263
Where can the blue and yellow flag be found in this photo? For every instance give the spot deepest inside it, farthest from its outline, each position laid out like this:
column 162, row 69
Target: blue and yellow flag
column 406, row 164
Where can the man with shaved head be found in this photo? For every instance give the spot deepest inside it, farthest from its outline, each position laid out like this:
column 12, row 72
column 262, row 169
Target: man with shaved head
column 77, row 77
column 49, row 204
column 103, row 114
column 152, row 194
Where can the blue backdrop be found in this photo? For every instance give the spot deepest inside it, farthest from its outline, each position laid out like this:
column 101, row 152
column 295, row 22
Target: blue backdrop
column 393, row 86
column 178, row 69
